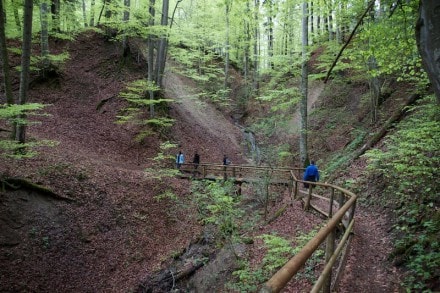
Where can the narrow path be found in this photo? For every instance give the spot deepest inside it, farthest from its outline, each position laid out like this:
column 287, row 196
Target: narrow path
column 368, row 268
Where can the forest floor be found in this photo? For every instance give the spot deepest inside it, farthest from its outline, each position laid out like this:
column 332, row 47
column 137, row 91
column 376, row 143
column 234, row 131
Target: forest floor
column 110, row 233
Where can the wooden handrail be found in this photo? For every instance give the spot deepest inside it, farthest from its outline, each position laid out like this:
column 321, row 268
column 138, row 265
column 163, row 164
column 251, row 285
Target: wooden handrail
column 279, row 280
column 283, row 276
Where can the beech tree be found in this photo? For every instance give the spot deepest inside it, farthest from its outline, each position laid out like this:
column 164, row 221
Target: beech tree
column 55, row 11
column 4, row 57
column 150, row 61
column 228, row 5
column 303, row 149
column 44, row 37
column 428, row 41
column 25, row 64
column 163, row 43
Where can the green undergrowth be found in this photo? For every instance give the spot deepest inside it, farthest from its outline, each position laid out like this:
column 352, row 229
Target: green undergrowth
column 278, row 251
column 409, row 166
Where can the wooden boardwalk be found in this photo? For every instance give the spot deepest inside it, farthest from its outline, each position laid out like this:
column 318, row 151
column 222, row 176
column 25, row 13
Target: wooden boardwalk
column 241, row 173
column 335, row 203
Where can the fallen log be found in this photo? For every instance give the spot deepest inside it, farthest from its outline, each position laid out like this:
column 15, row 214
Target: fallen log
column 396, row 117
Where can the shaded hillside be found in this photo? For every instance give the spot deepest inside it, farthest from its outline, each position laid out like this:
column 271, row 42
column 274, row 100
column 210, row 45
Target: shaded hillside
column 113, row 232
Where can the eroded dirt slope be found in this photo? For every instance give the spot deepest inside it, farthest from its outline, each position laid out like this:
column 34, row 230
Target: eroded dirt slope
column 113, row 232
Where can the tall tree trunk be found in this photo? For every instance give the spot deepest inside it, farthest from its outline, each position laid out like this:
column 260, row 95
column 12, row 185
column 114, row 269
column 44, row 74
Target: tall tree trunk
column 228, row 4
column 428, row 41
column 331, row 33
column 312, row 24
column 44, row 37
column 92, row 13
column 55, row 10
column 150, row 61
column 256, row 83
column 5, row 64
column 247, row 42
column 84, row 13
column 374, row 88
column 270, row 33
column 102, row 10
column 25, row 64
column 303, row 150
column 125, row 19
column 4, row 57
column 16, row 15
column 163, row 42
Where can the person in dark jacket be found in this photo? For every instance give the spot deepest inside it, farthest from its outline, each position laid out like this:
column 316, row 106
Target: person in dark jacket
column 196, row 162
column 311, row 174
column 226, row 160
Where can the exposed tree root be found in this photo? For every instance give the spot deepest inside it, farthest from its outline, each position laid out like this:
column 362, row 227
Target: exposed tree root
column 17, row 183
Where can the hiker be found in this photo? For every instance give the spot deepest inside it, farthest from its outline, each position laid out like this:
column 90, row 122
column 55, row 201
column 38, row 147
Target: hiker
column 196, row 162
column 311, row 174
column 180, row 159
column 226, row 160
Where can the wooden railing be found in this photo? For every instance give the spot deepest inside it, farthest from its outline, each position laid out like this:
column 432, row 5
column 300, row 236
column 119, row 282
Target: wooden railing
column 333, row 202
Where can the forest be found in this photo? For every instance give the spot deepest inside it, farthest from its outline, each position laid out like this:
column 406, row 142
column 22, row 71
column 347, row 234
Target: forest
column 98, row 96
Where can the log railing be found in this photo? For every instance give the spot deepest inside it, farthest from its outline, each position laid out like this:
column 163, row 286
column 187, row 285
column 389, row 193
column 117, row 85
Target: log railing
column 334, row 202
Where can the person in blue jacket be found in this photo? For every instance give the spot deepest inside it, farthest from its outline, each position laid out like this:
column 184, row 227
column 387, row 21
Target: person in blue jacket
column 311, row 174
column 180, row 159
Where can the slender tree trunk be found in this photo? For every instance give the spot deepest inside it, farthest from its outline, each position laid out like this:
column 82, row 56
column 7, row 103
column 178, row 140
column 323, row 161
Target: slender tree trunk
column 247, row 41
column 55, row 10
column 16, row 15
column 163, row 42
column 4, row 57
column 303, row 149
column 228, row 4
column 25, row 64
column 100, row 13
column 374, row 88
column 270, row 32
column 312, row 24
column 256, row 83
column 125, row 19
column 92, row 13
column 331, row 33
column 150, row 61
column 44, row 37
column 84, row 13
column 5, row 64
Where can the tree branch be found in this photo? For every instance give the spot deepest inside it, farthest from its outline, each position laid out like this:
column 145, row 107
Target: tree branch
column 370, row 6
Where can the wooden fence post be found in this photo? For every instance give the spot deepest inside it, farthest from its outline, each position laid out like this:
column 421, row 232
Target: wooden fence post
column 330, row 210
column 295, row 196
column 351, row 214
column 309, row 196
column 329, row 250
